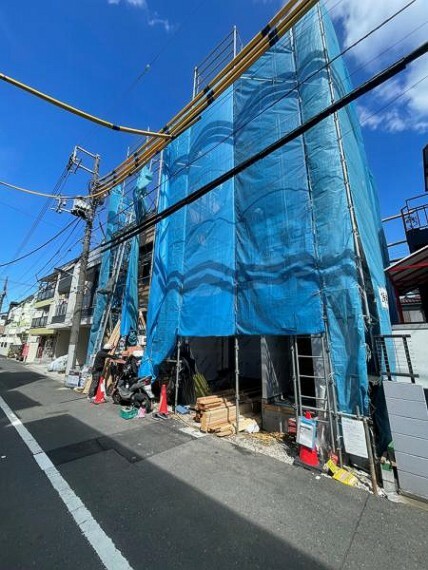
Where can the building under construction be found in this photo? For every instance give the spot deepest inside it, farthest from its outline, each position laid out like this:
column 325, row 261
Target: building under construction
column 276, row 276
column 263, row 282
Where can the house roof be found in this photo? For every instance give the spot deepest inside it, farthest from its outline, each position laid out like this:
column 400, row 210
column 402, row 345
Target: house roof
column 410, row 272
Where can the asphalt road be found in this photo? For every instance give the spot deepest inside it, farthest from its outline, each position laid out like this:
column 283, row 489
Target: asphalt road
column 167, row 500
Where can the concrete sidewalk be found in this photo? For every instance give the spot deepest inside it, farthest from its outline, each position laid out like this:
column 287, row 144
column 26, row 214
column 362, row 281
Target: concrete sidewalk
column 169, row 500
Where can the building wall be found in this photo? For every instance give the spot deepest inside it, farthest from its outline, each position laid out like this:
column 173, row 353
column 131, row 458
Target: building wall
column 62, row 340
column 408, row 417
column 82, row 346
column 418, row 348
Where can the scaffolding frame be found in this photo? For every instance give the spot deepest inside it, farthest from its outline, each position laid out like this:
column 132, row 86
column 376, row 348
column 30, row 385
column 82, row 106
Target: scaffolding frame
column 225, row 51
column 323, row 406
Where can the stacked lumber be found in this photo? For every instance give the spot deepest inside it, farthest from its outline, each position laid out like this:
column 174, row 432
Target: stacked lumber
column 217, row 414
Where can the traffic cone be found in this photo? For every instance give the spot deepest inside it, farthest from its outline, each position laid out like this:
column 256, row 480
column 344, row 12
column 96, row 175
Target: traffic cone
column 101, row 392
column 308, row 456
column 163, row 404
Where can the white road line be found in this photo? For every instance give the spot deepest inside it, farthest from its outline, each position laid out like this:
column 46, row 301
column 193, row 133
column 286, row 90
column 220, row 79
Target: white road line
column 109, row 555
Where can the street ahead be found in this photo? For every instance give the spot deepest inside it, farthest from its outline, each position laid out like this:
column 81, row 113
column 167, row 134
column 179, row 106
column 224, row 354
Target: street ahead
column 143, row 494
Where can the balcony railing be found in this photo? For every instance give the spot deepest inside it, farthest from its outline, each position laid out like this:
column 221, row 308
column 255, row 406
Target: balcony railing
column 59, row 318
column 39, row 322
column 46, row 294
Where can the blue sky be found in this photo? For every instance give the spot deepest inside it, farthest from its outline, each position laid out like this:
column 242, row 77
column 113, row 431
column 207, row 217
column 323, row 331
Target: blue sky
column 89, row 53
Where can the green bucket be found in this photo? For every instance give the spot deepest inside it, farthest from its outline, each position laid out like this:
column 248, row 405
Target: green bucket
column 128, row 413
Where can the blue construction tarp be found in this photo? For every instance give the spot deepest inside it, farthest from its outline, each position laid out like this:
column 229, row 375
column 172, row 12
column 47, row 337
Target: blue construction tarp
column 114, row 222
column 272, row 251
column 129, row 314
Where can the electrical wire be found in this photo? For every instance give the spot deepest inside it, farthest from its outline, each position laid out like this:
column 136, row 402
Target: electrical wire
column 58, row 260
column 284, row 95
column 27, row 191
column 56, row 190
column 79, row 112
column 61, row 247
column 53, row 238
column 166, row 45
column 305, row 4
column 23, row 213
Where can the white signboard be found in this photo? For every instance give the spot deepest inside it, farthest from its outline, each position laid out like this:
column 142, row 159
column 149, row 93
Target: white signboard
column 306, row 432
column 354, row 437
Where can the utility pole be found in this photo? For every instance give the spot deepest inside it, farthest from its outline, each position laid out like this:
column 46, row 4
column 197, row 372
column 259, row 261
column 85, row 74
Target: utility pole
column 3, row 293
column 84, row 208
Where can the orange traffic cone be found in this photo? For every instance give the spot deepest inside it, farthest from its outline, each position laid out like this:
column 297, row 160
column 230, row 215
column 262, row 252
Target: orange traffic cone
column 163, row 404
column 308, row 456
column 101, row 392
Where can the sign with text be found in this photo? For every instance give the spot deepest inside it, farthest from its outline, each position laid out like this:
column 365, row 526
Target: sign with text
column 354, row 437
column 306, row 432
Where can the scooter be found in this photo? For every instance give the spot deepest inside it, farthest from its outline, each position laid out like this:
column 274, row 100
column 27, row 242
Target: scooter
column 128, row 388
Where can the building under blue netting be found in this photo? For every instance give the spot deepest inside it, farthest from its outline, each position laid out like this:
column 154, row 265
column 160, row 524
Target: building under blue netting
column 292, row 248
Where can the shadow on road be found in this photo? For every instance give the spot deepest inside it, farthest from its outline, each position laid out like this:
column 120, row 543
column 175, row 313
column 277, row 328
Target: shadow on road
column 155, row 519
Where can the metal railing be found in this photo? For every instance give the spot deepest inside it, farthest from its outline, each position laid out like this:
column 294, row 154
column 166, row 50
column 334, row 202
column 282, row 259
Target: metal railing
column 39, row 322
column 46, row 294
column 58, row 318
column 415, row 217
column 393, row 356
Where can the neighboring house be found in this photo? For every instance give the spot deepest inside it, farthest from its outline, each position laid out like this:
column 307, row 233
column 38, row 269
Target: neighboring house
column 38, row 328
column 16, row 326
column 409, row 278
column 3, row 318
column 64, row 305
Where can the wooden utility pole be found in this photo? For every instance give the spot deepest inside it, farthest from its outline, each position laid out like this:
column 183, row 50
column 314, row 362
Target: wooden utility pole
column 84, row 208
column 3, row 293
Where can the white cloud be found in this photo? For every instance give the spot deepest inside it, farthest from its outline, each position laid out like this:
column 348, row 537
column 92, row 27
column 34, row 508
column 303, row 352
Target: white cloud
column 406, row 107
column 156, row 21
column 153, row 18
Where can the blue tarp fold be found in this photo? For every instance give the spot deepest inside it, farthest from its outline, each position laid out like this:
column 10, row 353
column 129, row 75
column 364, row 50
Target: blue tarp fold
column 129, row 315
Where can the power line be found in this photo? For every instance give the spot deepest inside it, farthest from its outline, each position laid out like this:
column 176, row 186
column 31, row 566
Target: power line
column 18, row 188
column 53, row 238
column 166, row 44
column 61, row 247
column 56, row 190
column 34, row 284
column 305, row 5
column 27, row 191
column 356, row 93
column 77, row 111
column 24, row 213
